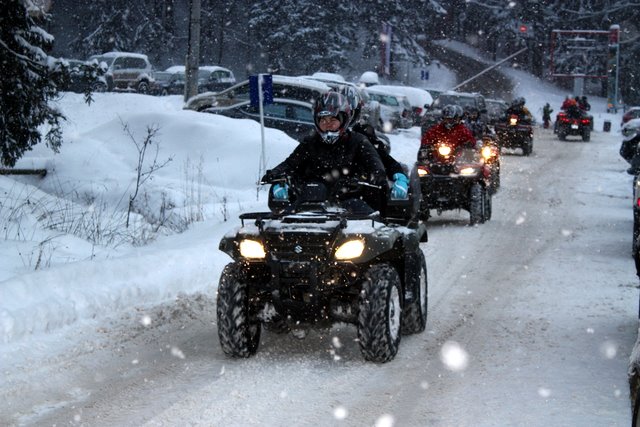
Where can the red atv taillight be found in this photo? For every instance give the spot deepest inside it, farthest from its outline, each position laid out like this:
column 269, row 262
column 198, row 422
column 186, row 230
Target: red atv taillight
column 586, row 121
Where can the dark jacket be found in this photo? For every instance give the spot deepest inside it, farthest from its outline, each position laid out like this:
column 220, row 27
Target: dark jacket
column 522, row 112
column 477, row 127
column 391, row 165
column 351, row 156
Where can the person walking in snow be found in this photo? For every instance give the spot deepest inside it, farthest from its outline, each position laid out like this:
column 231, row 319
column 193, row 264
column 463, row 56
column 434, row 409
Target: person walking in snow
column 546, row 115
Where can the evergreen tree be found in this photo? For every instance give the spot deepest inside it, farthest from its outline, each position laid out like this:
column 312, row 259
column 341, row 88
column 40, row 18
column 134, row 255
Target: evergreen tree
column 106, row 28
column 408, row 29
column 222, row 20
column 303, row 37
column 29, row 81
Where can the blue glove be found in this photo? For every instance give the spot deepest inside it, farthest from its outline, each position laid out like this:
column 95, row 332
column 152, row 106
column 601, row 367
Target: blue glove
column 400, row 189
column 281, row 191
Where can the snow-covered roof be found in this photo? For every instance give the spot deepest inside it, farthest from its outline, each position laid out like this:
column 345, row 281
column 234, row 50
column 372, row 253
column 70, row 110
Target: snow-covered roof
column 116, row 54
column 176, row 69
column 416, row 96
column 213, row 68
column 370, row 77
column 377, row 90
column 301, row 81
column 333, row 77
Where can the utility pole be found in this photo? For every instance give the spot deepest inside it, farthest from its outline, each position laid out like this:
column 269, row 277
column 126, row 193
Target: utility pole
column 193, row 51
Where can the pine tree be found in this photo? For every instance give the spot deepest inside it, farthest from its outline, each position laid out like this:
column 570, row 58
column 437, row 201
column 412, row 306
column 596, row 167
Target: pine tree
column 29, row 81
column 301, row 37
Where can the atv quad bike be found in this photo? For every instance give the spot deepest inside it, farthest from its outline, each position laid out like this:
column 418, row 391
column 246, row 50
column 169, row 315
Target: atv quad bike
column 515, row 133
column 315, row 260
column 456, row 178
column 573, row 123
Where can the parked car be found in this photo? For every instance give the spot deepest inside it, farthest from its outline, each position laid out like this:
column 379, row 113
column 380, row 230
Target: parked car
column 126, row 71
column 419, row 99
column 463, row 99
column 293, row 117
column 215, row 78
column 631, row 113
column 210, row 78
column 169, row 82
column 496, row 109
column 395, row 109
column 84, row 76
column 296, row 88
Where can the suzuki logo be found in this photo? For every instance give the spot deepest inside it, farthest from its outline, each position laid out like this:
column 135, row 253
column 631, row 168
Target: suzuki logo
column 297, row 249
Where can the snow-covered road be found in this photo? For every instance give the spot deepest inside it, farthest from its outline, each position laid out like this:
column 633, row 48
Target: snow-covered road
column 532, row 317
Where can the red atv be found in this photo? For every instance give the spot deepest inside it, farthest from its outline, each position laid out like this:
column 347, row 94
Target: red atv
column 573, row 122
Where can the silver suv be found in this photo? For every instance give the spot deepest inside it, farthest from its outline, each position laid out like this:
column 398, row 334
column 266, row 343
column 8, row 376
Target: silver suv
column 131, row 72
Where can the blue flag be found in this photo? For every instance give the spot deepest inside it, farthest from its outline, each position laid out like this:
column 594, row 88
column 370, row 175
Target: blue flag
column 267, row 90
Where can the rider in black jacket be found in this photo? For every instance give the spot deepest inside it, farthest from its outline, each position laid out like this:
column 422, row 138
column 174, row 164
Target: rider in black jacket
column 332, row 154
column 396, row 172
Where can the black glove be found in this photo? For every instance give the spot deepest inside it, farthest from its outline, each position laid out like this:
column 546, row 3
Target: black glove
column 270, row 177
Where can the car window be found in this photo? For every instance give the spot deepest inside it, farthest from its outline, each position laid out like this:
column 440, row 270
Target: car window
column 302, row 114
column 384, row 99
column 494, row 107
column 241, row 92
column 463, row 101
column 294, row 92
column 163, row 76
column 135, row 63
column 118, row 63
column 275, row 110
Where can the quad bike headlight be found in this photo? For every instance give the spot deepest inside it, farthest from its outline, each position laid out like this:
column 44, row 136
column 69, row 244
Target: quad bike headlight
column 513, row 121
column 488, row 152
column 467, row 171
column 350, row 249
column 252, row 249
column 444, row 150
